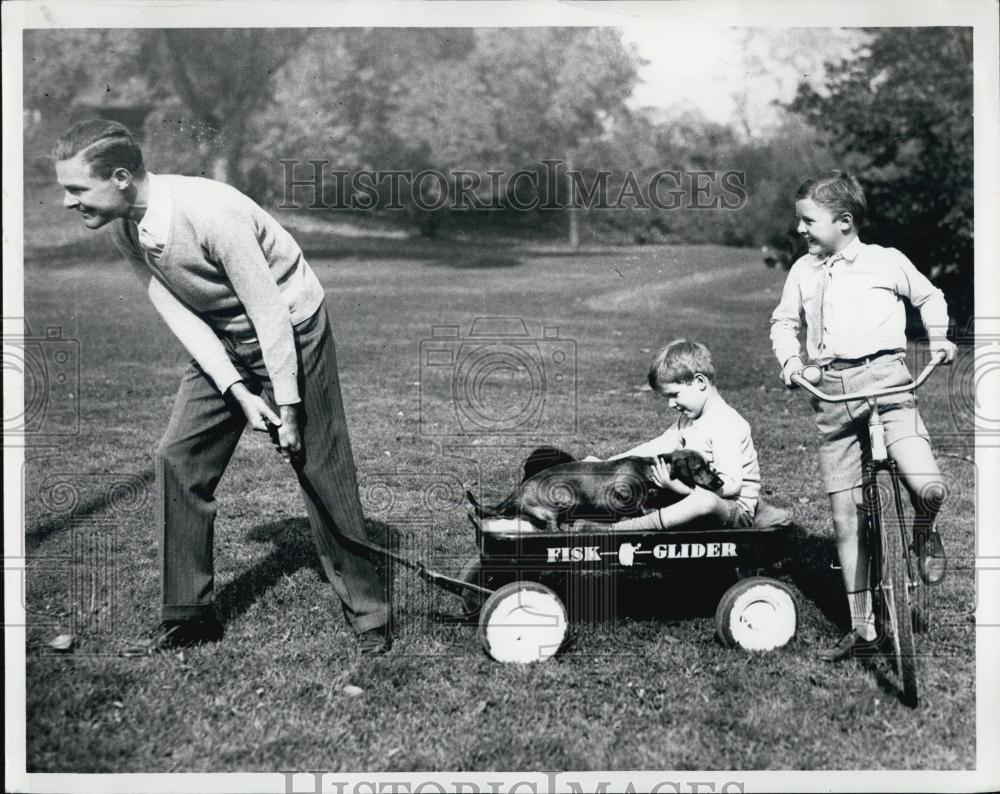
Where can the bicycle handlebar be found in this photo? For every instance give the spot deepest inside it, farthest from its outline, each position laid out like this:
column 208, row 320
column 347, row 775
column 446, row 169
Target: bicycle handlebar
column 798, row 380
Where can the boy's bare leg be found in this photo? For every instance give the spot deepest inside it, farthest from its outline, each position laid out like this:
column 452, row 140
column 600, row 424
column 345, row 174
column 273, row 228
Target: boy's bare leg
column 852, row 550
column 698, row 504
column 928, row 490
column 852, row 546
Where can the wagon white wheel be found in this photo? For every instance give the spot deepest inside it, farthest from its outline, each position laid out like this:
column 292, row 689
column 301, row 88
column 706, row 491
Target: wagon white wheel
column 523, row 622
column 757, row 614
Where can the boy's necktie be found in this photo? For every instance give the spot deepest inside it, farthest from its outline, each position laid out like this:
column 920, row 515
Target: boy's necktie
column 816, row 315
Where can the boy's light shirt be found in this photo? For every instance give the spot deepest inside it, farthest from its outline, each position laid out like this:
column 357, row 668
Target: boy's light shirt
column 723, row 437
column 863, row 311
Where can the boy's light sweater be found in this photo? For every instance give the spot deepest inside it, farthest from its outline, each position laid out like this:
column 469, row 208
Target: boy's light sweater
column 227, row 268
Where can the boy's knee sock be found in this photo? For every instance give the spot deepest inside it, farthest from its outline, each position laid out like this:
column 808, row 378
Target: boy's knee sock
column 862, row 615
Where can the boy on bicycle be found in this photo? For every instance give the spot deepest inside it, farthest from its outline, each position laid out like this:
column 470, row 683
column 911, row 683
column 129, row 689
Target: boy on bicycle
column 683, row 373
column 848, row 294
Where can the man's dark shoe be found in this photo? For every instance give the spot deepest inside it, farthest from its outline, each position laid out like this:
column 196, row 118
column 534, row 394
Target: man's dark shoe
column 850, row 645
column 172, row 635
column 375, row 642
column 931, row 560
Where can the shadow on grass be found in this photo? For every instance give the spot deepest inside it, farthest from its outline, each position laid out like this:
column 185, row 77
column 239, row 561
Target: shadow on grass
column 883, row 670
column 293, row 550
column 104, row 502
column 808, row 559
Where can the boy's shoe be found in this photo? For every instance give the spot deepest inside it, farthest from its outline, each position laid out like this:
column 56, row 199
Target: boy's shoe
column 375, row 642
column 850, row 645
column 931, row 560
column 173, row 634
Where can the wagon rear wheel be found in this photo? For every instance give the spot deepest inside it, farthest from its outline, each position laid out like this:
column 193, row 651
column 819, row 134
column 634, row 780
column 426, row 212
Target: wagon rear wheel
column 757, row 614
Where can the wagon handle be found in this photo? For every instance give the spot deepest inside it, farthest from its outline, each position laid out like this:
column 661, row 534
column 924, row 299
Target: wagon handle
column 371, row 550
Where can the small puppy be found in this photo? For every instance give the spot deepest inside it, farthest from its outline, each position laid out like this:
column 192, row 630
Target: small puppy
column 606, row 491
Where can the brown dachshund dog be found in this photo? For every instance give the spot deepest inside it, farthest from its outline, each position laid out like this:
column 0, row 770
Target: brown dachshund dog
column 558, row 489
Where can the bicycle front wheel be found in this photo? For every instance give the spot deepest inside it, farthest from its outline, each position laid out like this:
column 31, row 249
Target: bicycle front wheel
column 894, row 589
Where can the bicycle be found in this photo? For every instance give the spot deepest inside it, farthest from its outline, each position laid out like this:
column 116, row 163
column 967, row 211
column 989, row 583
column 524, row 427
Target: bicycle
column 890, row 554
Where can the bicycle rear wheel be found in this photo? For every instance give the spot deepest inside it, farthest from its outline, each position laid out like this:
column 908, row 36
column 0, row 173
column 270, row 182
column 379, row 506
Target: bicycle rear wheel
column 892, row 583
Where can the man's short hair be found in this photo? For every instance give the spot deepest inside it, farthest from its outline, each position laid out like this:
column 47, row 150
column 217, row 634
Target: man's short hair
column 106, row 146
column 679, row 362
column 838, row 192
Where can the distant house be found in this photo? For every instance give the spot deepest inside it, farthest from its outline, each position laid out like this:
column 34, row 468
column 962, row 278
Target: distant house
column 127, row 103
column 132, row 116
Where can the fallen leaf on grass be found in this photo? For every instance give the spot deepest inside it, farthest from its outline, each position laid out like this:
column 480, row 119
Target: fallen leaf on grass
column 353, row 691
column 803, row 500
column 64, row 642
column 481, row 706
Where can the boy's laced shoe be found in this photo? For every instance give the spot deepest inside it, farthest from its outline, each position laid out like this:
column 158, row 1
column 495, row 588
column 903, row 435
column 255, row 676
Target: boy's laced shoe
column 931, row 560
column 851, row 644
column 375, row 642
column 174, row 634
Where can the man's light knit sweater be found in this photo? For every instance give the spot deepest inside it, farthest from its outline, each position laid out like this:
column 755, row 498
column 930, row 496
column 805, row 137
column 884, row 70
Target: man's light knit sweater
column 227, row 268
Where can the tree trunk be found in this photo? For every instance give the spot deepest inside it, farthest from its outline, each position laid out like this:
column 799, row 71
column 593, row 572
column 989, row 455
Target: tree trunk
column 572, row 211
column 220, row 168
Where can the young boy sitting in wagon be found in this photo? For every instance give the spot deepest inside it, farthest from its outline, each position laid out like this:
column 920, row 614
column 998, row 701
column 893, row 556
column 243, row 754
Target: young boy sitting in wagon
column 683, row 373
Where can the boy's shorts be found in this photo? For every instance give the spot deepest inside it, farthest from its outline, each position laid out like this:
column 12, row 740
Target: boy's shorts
column 844, row 426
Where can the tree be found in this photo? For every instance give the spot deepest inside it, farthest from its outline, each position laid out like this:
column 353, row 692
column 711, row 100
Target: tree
column 68, row 72
column 223, row 76
column 449, row 99
column 902, row 121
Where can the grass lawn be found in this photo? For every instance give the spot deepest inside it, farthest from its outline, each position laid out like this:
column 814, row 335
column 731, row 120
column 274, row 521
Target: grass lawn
column 644, row 687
